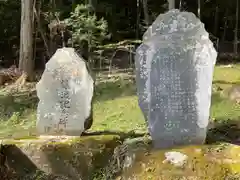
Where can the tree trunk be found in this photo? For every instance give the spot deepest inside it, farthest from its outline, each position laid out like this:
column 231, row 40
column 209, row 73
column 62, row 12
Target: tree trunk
column 225, row 26
column 180, row 4
column 171, row 4
column 236, row 31
column 199, row 9
column 145, row 11
column 89, row 44
column 138, row 19
column 26, row 38
column 37, row 16
column 91, row 4
column 216, row 21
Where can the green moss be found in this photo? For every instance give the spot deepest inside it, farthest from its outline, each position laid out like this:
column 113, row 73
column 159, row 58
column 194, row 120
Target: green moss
column 75, row 158
column 203, row 163
column 92, row 157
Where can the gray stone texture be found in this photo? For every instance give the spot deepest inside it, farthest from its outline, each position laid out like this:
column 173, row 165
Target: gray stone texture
column 65, row 91
column 174, row 71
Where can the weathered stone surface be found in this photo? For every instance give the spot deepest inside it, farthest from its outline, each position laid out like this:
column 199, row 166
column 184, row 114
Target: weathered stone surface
column 106, row 157
column 174, row 70
column 65, row 92
column 46, row 158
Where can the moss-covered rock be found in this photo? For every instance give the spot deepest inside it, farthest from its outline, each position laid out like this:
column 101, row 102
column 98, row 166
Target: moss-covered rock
column 208, row 162
column 106, row 157
column 74, row 158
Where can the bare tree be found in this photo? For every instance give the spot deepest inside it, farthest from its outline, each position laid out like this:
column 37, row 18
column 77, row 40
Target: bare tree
column 236, row 30
column 26, row 38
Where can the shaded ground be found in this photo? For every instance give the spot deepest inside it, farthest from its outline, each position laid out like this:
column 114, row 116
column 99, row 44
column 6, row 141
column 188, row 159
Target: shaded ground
column 224, row 132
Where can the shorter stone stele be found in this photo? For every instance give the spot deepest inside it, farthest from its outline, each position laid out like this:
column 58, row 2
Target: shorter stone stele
column 65, row 93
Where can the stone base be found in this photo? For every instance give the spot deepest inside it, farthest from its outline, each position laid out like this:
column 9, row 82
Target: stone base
column 105, row 157
column 165, row 144
column 46, row 157
column 209, row 162
column 179, row 139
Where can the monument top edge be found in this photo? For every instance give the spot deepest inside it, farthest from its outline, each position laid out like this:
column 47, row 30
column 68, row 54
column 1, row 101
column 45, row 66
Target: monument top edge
column 175, row 22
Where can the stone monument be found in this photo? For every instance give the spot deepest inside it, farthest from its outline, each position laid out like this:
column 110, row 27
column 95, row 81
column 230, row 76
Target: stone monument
column 65, row 93
column 174, row 71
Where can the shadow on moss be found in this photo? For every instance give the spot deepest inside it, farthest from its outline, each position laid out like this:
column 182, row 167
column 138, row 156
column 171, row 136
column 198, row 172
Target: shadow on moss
column 224, row 131
column 225, row 82
column 77, row 159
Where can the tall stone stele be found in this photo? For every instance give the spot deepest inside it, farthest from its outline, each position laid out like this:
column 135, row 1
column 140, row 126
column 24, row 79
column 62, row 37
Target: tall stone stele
column 65, row 93
column 174, row 71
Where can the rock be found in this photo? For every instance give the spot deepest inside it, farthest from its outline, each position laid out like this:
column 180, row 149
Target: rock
column 65, row 91
column 174, row 70
column 10, row 74
column 175, row 158
column 107, row 157
column 234, row 94
column 48, row 158
column 218, row 162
